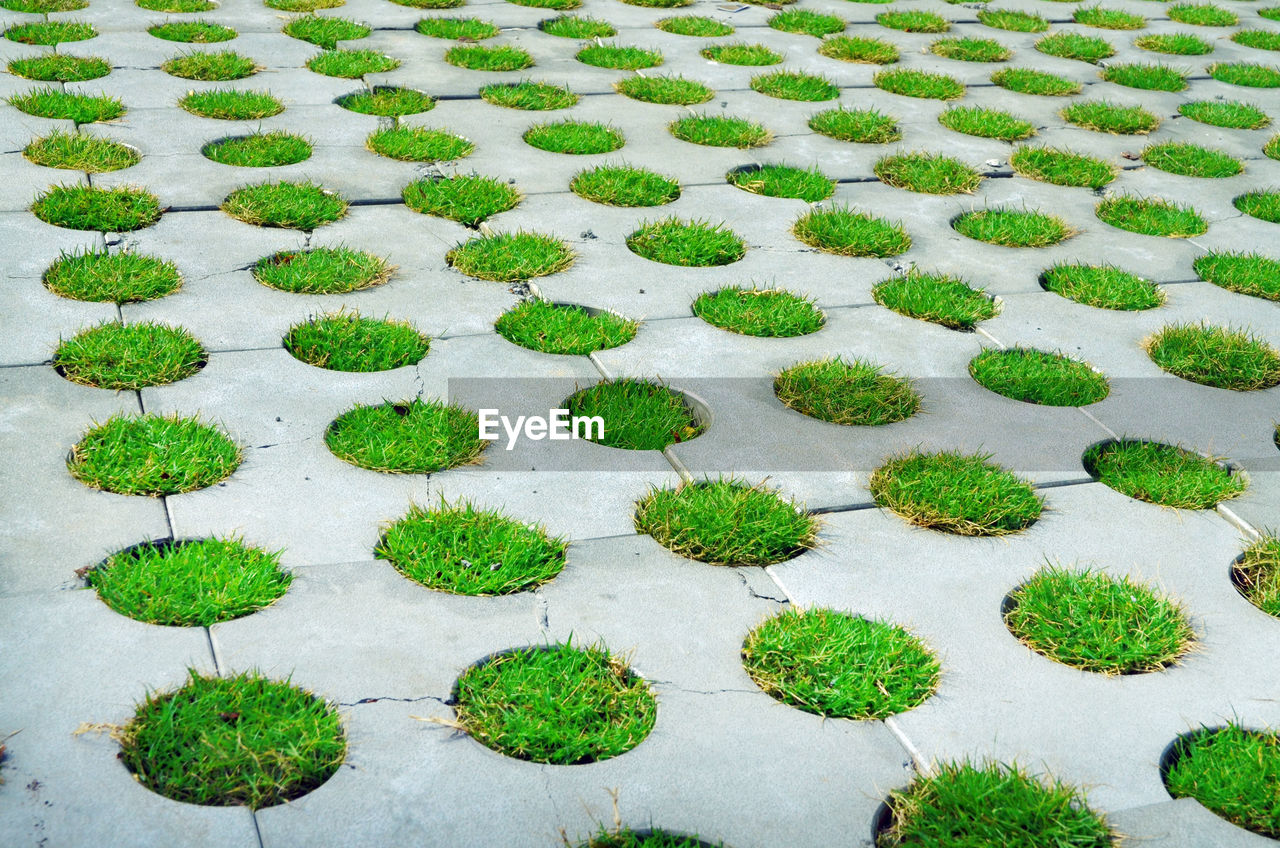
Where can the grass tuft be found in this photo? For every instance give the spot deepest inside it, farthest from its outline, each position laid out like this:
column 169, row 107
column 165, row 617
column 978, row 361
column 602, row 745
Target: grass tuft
column 986, row 123
column 50, row 102
column 1062, row 167
column 669, row 90
column 502, row 58
column 1174, row 44
column 697, row 244
column 465, row 198
column 409, row 437
column 80, row 152
column 937, row 298
column 1012, row 20
column 59, row 67
column 743, row 54
column 324, row 31
column 866, row 51
column 1146, row 77
column 1162, row 474
column 576, row 26
column 1013, row 228
column 127, row 357
column 1034, row 376
column 861, row 126
column 511, row 257
column 808, row 184
column 231, row 105
column 259, row 150
column 563, row 329
column 1231, row 114
column 914, row 21
column 1096, row 16
column 913, row 83
column 620, row 185
column 1246, row 74
column 1107, row 117
column 619, row 58
column 853, row 393
column 1257, row 574
column 1247, row 273
column 192, row 32
column 185, row 7
column 99, row 276
column 322, row 270
column 1263, row 205
column 574, row 137
column 50, row 33
column 1202, row 14
column 695, row 26
column 303, row 5
column 1103, row 287
column 770, row 313
column 970, row 49
column 1231, row 771
column 1073, row 45
column 387, row 101
column 843, row 231
column 529, row 95
column 1190, row 160
column 792, row 85
column 417, row 144
column 806, row 22
column 720, row 131
column 210, row 67
column 351, row 64
column 1151, row 216
column 927, row 173
column 44, row 7
column 288, row 205
column 457, row 29
column 956, row 493
column 345, row 341
column 153, row 455
column 119, row 209
column 637, row 414
column 1040, row 83
column 1222, row 357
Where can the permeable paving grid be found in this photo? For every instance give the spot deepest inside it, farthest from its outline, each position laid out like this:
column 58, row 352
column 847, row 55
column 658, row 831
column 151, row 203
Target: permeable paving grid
column 934, row 347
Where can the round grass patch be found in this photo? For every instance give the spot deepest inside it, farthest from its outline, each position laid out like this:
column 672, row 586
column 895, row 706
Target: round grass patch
column 119, row 209
column 302, row 6
column 418, row 144
column 1247, row 273
column 44, row 7
column 501, row 58
column 1162, row 474
column 1012, row 20
column 839, row 665
column 564, row 329
column 184, row 7
column 753, row 55
column 1146, row 77
column 927, row 173
column 1074, row 45
column 410, row 437
column 153, row 455
column 60, row 67
column 850, row 393
column 1231, row 114
column 1151, row 216
column 345, row 341
column 511, row 257
column 1248, row 74
column 970, row 49
column 1103, row 287
column 808, row 184
column 637, row 414
column 192, row 32
column 1202, row 14
column 259, row 150
column 577, row 26
column 1257, row 574
column 668, row 90
column 1191, row 160
column 986, row 123
column 622, row 185
column 1222, row 357
column 100, row 276
column 231, row 105
column 210, row 67
column 769, row 313
column 387, row 101
column 81, row 152
column 288, row 205
column 576, row 138
column 860, row 126
column 937, row 298
column 1035, row 376
column 792, row 85
column 698, row 244
column 351, row 64
column 619, row 57
column 720, row 131
column 859, row 50
column 1234, row 772
column 1062, row 167
column 49, row 33
column 1174, row 44
column 1013, row 228
column 1263, row 205
column 695, row 26
column 529, row 95
column 806, row 22
column 324, row 31
column 956, row 493
column 1040, row 83
column 910, row 82
column 457, row 29
column 1105, row 116
column 322, row 270
column 467, row 199
column 843, row 231
column 1096, row 16
column 125, row 357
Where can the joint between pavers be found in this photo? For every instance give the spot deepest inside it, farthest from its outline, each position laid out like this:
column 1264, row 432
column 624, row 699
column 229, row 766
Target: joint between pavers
column 595, row 360
column 257, row 830
column 853, row 507
column 1087, row 414
column 1238, row 522
column 982, row 332
column 213, row 651
column 685, row 474
column 917, row 759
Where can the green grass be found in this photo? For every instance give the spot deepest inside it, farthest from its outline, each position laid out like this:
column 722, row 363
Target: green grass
column 59, row 67
column 1263, row 205
column 1259, row 39
column 769, row 313
column 620, row 185
column 50, row 32
column 303, row 5
column 1231, row 114
column 937, row 298
column 574, row 137
column 1042, row 83
column 742, row 54
column 659, row 4
column 618, row 57
column 232, row 741
column 1162, row 474
column 1190, row 160
column 1107, row 117
column 463, row 550
column 637, row 414
column 465, row 198
column 1271, row 13
column 1013, row 227
column 259, row 150
column 1146, row 77
column 352, row 64
column 1233, row 771
column 289, row 205
column 992, row 804
column 153, row 455
column 190, row 583
column 912, row 83
column 927, row 173
column 929, row 22
column 457, row 29
column 670, row 90
column 210, row 67
column 563, row 329
column 1151, row 216
column 1103, row 287
column 1073, row 45
column 956, row 493
column 1257, row 574
column 501, row 58
column 861, row 126
column 687, row 243
column 125, row 357
column 792, row 85
column 1035, row 376
column 1174, row 44
column 80, row 152
column 843, row 231
column 555, row 704
column 1247, row 273
column 529, row 95
column 98, row 276
column 387, row 101
column 970, row 49
column 430, row 4
column 866, row 51
column 322, row 270
column 192, row 32
column 231, row 105
column 186, row 7
column 1062, row 167
column 345, row 341
column 119, row 209
column 1222, row 357
column 986, row 123
column 324, row 31
column 1202, row 14
column 50, row 102
column 1011, row 20
column 1096, row 16
column 622, row 837
column 808, row 184
column 840, row 665
column 720, row 131
column 417, row 144
column 726, row 522
column 806, row 22
column 1094, row 622
column 44, row 7
column 579, row 27
column 1245, row 74
column 854, row 393
column 695, row 26
column 511, row 257
column 410, row 437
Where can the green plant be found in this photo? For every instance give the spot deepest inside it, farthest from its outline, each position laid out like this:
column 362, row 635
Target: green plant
column 430, row 4
column 510, row 257
column 303, row 5
column 836, row 664
column 295, row 206
column 231, row 105
column 1096, row 16
column 80, row 152
column 986, row 123
column 59, row 67
column 720, row 131
column 1014, row 21
column 1190, row 160
column 699, row 244
column 1013, row 228
column 119, row 209
column 502, row 58
column 457, row 29
column 1151, row 216
column 227, row 741
column 938, row 298
column 118, row 356
column 913, row 21
column 772, row 313
column 637, row 414
column 1146, row 77
column 463, row 550
column 417, row 144
column 529, row 95
column 792, row 85
column 970, row 49
column 1035, row 376
column 622, row 837
column 1202, row 14
column 1073, row 45
column 576, row 26
column 192, row 583
column 50, row 33
column 1257, row 574
column 1107, row 117
column 555, row 704
column 659, row 4
column 670, row 90
column 325, row 31
column 1246, row 273
column 620, row 185
column 1271, row 13
column 345, row 341
column 1062, row 167
column 1246, row 74
column 100, row 276
column 322, row 270
column 867, row 51
column 806, row 22
column 50, row 102
column 694, row 25
column 465, row 198
column 210, row 67
column 153, row 455
column 1222, row 357
column 619, row 58
column 912, row 83
column 848, row 233
column 1231, row 114
column 1041, row 83
column 352, row 64
column 1103, row 287
column 1162, row 474
column 743, row 54
column 44, row 7
column 1264, row 205
column 956, row 493
column 410, row 437
column 563, row 329
column 1174, row 44
column 259, row 150
column 574, row 137
column 1232, row 771
column 557, row 5
column 928, row 173
column 187, row 7
column 387, row 101
column 809, row 184
column 192, row 32
column 862, row 126
column 850, row 393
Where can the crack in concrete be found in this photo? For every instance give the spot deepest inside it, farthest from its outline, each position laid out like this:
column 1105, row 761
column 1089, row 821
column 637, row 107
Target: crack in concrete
column 376, row 698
